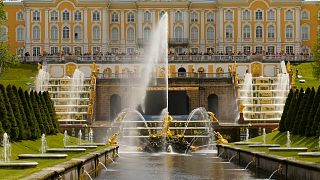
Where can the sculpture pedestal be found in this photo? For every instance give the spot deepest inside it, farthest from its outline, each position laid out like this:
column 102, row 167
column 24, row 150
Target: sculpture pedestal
column 241, row 119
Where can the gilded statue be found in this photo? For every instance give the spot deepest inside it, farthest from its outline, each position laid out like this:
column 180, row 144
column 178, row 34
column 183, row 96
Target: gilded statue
column 213, row 118
column 113, row 139
column 167, row 122
column 241, row 108
column 220, row 138
column 39, row 66
column 289, row 69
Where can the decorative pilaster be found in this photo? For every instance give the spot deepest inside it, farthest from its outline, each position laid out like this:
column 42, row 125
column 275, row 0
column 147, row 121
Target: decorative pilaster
column 279, row 42
column 298, row 33
column 85, row 30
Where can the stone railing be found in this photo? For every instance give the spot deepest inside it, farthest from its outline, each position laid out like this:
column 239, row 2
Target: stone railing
column 171, row 58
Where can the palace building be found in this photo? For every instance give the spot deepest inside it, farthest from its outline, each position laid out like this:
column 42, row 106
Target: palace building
column 195, row 26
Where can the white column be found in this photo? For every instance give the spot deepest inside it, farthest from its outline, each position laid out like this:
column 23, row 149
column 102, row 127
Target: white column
column 279, row 29
column 153, row 19
column 85, row 30
column 46, row 32
column 298, row 33
column 105, row 26
column 27, row 32
column 122, row 40
column 140, row 19
column 202, row 30
column 220, row 29
column 171, row 34
column 239, row 44
column 186, row 24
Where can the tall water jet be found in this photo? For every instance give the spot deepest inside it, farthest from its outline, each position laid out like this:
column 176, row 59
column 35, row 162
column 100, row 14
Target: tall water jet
column 80, row 136
column 76, row 88
column 43, row 144
column 264, row 136
column 65, row 138
column 42, row 79
column 288, row 144
column 91, row 135
column 283, row 85
column 6, row 151
column 247, row 89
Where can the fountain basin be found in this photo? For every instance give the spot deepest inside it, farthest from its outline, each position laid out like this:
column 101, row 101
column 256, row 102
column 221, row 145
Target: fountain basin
column 81, row 146
column 54, row 150
column 17, row 165
column 292, row 149
column 309, row 154
column 263, row 145
column 246, row 143
column 28, row 156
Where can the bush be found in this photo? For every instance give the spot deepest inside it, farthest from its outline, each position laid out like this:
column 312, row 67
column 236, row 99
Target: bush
column 312, row 114
column 27, row 105
column 304, row 121
column 296, row 127
column 37, row 112
column 296, row 109
column 282, row 127
column 290, row 115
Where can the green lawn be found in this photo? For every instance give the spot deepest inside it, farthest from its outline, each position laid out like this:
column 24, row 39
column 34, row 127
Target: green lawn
column 19, row 75
column 305, row 69
column 281, row 138
column 53, row 141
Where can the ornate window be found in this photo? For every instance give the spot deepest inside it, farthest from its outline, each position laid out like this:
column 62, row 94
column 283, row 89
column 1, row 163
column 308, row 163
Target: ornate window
column 146, row 34
column 210, row 34
column 54, row 15
column 271, row 15
column 130, row 17
column 246, row 32
column 54, row 33
column 114, row 17
column 96, row 16
column 147, row 16
column 229, row 15
column 20, row 34
column 36, row 16
column 246, row 15
column 130, row 34
column 77, row 16
column 178, row 16
column 210, row 17
column 305, row 32
column 289, row 15
column 271, row 31
column 259, row 15
column 258, row 32
column 65, row 15
column 178, row 33
column 114, row 34
column 194, row 34
column 305, row 15
column 194, row 17
column 36, row 33
column 96, row 33
column 161, row 14
column 289, row 32
column 66, row 32
column 20, row 16
column 77, row 33
column 229, row 32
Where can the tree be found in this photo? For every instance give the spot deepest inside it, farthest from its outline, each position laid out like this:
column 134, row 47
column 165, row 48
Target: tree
column 305, row 121
column 42, row 113
column 296, row 109
column 4, row 116
column 317, row 120
column 16, row 112
column 315, row 105
column 37, row 112
column 285, row 111
column 298, row 120
column 22, row 113
column 316, row 58
column 46, row 113
column 52, row 111
column 27, row 105
column 290, row 115
column 1, row 129
column 13, row 129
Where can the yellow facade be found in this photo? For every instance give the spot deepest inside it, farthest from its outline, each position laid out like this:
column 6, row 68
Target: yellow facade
column 295, row 25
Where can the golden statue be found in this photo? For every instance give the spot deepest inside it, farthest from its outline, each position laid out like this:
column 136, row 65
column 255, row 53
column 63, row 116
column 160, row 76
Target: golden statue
column 167, row 119
column 212, row 117
column 289, row 69
column 220, row 140
column 113, row 139
column 39, row 66
column 241, row 107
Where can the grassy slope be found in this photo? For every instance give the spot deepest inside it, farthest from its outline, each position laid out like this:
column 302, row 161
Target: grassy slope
column 281, row 138
column 19, row 75
column 23, row 147
column 305, row 69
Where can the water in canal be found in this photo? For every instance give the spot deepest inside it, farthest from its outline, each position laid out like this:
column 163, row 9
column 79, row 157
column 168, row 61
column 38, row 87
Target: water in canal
column 167, row 166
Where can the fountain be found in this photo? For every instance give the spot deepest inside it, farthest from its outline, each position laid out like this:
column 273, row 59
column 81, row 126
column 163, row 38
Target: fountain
column 247, row 142
column 6, row 153
column 288, row 147
column 264, row 144
column 79, row 137
column 42, row 79
column 65, row 138
column 90, row 139
column 80, row 145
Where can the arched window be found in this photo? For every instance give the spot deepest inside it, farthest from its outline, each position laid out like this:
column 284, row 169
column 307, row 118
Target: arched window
column 229, row 15
column 147, row 16
column 178, row 33
column 96, row 16
column 36, row 33
column 178, row 16
column 114, row 34
column 20, row 16
column 246, row 15
column 77, row 16
column 271, row 15
column 65, row 15
column 194, row 17
column 20, row 34
column 289, row 15
column 54, row 15
column 66, row 32
column 96, row 33
column 289, row 32
column 4, row 33
column 130, row 34
column 194, row 34
column 146, row 34
column 210, row 17
column 54, row 33
column 258, row 32
column 305, row 32
column 259, row 15
column 114, row 17
column 246, row 32
column 271, row 31
column 161, row 14
column 77, row 33
column 36, row 16
column 210, row 34
column 130, row 17
column 305, row 15
column 229, row 32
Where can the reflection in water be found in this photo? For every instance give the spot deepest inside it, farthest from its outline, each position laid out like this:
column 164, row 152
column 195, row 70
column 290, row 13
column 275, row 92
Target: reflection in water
column 165, row 166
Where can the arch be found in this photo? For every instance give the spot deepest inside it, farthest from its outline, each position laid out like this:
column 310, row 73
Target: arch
column 289, row 15
column 96, row 15
column 130, row 34
column 114, row 34
column 246, row 32
column 36, row 33
column 178, row 103
column 229, row 31
column 66, row 32
column 96, row 35
column 77, row 33
column 271, row 31
column 147, row 16
column 259, row 32
column 213, row 104
column 289, row 31
column 210, row 34
column 194, row 34
column 246, row 15
column 20, row 33
column 182, row 72
column 115, row 106
column 54, row 33
column 178, row 34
